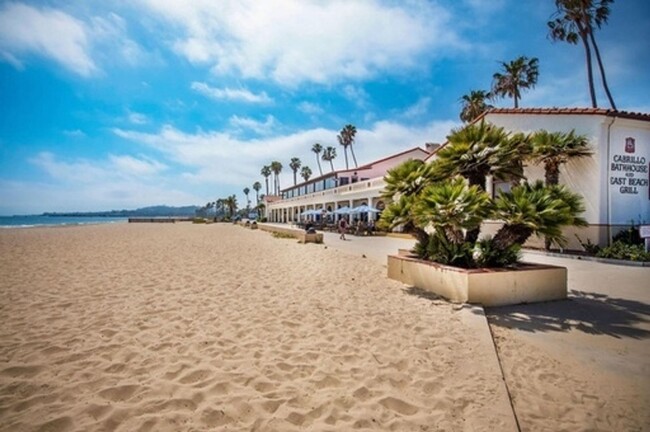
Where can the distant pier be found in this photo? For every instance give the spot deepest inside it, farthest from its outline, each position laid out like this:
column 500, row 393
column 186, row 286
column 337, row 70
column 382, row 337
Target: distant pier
column 159, row 219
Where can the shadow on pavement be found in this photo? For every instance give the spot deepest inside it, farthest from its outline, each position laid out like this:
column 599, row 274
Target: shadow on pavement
column 587, row 312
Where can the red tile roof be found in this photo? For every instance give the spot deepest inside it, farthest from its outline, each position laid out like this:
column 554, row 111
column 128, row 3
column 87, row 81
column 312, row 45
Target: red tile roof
column 574, row 111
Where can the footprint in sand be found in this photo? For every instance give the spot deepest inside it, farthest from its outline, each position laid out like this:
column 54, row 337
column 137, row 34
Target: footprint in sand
column 119, row 393
column 399, row 406
column 60, row 424
column 22, row 371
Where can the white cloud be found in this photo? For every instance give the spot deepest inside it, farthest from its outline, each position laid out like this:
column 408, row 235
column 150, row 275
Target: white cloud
column 357, row 95
column 310, row 108
column 242, row 95
column 259, row 127
column 418, row 109
column 138, row 118
column 47, row 32
column 293, row 41
column 91, row 172
column 76, row 133
column 239, row 160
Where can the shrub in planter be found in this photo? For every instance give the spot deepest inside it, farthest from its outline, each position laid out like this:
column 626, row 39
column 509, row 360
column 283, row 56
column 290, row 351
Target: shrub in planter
column 444, row 203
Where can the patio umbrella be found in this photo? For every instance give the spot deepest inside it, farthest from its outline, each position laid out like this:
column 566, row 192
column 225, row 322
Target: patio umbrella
column 364, row 209
column 342, row 210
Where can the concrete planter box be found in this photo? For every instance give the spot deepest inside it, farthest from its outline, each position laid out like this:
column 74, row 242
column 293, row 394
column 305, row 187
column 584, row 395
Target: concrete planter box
column 528, row 283
column 299, row 234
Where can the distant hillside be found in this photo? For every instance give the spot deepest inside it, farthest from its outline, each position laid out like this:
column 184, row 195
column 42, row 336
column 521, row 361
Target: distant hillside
column 153, row 211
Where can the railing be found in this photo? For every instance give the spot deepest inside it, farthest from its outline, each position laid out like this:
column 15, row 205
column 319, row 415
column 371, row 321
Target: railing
column 372, row 184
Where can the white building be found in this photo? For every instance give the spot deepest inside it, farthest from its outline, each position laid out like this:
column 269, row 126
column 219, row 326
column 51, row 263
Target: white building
column 331, row 191
column 614, row 181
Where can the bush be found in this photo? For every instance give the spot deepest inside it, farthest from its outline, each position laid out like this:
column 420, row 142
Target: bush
column 282, row 235
column 589, row 247
column 624, row 251
column 197, row 220
column 628, row 236
column 487, row 255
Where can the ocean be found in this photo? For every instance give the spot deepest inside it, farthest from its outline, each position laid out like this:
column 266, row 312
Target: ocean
column 37, row 221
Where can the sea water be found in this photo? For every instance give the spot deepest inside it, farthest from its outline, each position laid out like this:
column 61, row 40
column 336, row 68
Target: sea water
column 40, row 220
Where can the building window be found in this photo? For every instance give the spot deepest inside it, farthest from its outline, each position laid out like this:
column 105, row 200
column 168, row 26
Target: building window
column 343, row 181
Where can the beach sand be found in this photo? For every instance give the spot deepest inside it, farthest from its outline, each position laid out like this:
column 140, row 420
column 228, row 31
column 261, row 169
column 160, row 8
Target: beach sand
column 181, row 327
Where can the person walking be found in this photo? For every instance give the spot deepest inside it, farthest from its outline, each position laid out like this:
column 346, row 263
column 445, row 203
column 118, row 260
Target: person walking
column 343, row 226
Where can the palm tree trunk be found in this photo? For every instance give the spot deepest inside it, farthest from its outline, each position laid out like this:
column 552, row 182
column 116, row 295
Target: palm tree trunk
column 516, row 100
column 266, row 179
column 590, row 73
column 295, row 181
column 509, row 235
column 602, row 70
column 345, row 152
column 318, row 162
column 332, row 165
column 551, row 174
column 354, row 158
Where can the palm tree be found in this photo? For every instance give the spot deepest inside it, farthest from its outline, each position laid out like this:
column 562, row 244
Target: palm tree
column 346, row 139
column 295, row 165
column 554, row 149
column 575, row 19
column 305, row 173
column 231, row 203
column 478, row 150
column 474, row 105
column 536, row 209
column 276, row 167
column 329, row 154
column 246, row 192
column 317, row 148
column 520, row 73
column 257, row 187
column 266, row 172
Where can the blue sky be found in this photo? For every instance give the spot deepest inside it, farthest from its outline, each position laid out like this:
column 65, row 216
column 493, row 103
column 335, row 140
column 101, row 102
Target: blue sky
column 113, row 104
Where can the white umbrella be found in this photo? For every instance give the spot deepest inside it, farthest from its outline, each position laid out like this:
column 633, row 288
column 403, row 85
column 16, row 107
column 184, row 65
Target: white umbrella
column 364, row 209
column 342, row 210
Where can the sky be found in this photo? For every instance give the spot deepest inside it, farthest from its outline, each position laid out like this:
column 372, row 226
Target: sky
column 116, row 104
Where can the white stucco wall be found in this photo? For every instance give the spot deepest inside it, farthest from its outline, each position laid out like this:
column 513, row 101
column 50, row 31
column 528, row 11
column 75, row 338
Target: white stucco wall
column 613, row 182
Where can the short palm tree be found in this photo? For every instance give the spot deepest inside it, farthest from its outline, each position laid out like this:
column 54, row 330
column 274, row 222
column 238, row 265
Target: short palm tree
column 276, row 167
column 295, row 165
column 476, row 151
column 407, row 178
column 266, row 172
column 536, row 209
column 553, row 149
column 329, row 154
column 257, row 187
column 575, row 19
column 519, row 74
column 317, row 148
column 305, row 173
column 474, row 104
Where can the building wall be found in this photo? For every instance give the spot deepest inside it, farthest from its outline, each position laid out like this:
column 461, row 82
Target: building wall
column 614, row 195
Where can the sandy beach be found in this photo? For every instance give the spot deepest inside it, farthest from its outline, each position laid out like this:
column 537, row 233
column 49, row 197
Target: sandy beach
column 214, row 327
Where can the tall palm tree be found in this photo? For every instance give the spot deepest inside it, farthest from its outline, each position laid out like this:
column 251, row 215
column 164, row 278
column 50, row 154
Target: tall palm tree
column 575, row 19
column 474, row 105
column 329, row 154
column 520, row 73
column 553, row 149
column 276, row 167
column 317, row 148
column 266, row 172
column 346, row 139
column 305, row 173
column 257, row 187
column 246, row 192
column 295, row 166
